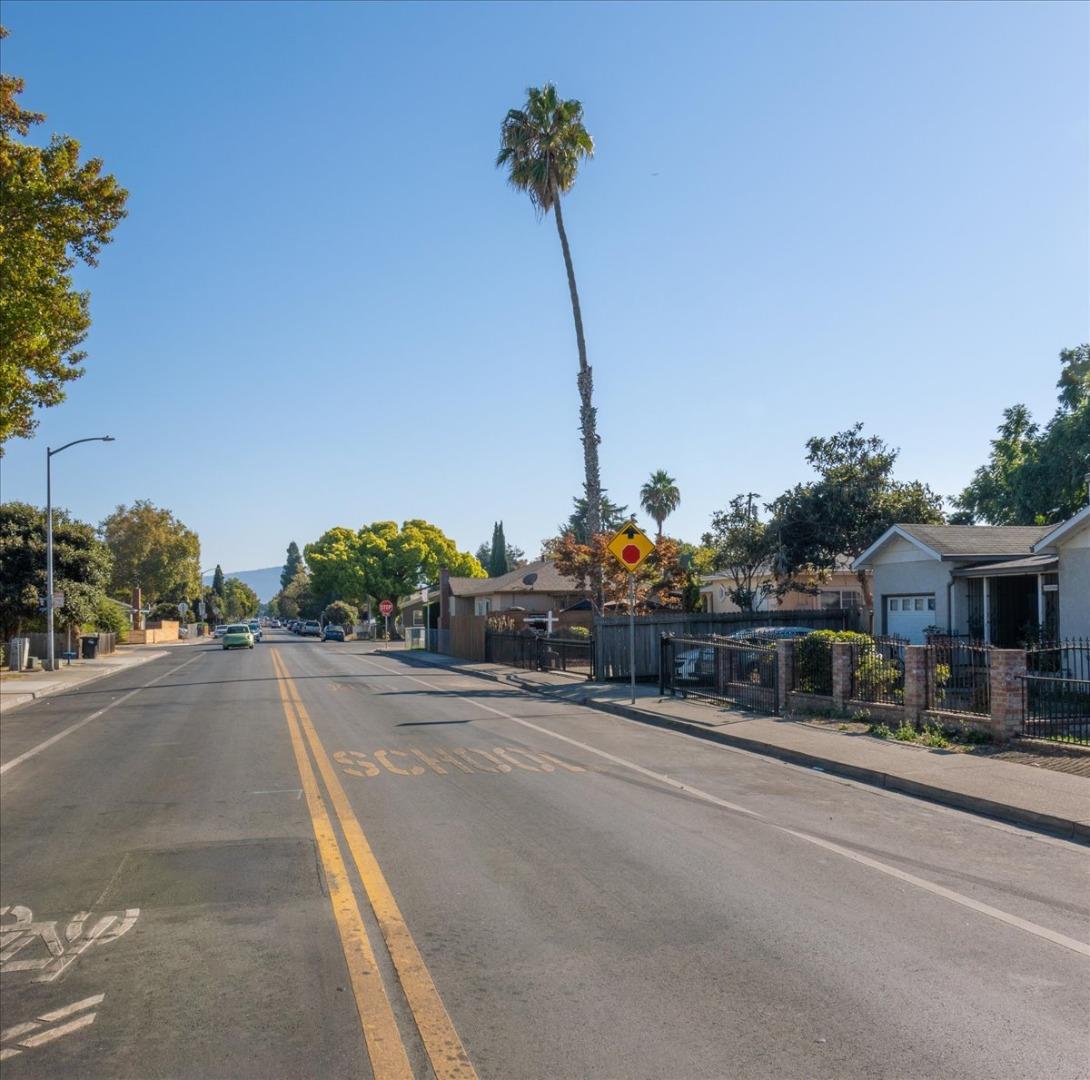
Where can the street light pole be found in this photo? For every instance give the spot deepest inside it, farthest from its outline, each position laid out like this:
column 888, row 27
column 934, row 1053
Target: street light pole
column 50, row 650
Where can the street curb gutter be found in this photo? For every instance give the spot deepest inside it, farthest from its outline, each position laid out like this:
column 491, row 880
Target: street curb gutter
column 1017, row 815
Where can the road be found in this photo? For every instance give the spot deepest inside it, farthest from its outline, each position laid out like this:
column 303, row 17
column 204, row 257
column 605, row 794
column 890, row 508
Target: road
column 324, row 860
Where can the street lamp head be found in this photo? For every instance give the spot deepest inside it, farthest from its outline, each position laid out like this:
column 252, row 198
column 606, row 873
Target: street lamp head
column 107, row 438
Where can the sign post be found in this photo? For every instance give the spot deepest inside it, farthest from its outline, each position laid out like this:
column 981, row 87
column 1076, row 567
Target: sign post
column 385, row 608
column 427, row 617
column 630, row 545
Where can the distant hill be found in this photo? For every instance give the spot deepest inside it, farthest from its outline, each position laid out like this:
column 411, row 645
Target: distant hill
column 266, row 583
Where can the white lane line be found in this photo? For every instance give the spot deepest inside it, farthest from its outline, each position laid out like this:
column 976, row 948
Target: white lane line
column 1043, row 932
column 58, row 1032
column 19, row 1029
column 75, row 1007
column 87, row 719
column 296, row 791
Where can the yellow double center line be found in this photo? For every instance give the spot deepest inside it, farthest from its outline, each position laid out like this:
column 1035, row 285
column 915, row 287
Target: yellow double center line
column 385, row 1046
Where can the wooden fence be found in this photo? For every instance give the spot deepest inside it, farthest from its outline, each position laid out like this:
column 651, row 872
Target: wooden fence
column 466, row 638
column 611, row 633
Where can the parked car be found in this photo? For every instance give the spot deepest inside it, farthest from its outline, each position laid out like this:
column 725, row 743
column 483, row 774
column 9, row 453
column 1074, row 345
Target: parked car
column 220, row 630
column 333, row 632
column 274, row 624
column 255, row 629
column 311, row 628
column 238, row 636
column 698, row 665
column 695, row 665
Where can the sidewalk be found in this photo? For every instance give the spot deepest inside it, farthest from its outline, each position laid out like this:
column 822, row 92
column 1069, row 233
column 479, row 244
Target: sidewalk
column 22, row 687
column 1057, row 802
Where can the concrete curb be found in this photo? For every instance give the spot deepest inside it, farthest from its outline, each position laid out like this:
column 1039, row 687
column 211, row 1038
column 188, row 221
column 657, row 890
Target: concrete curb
column 31, row 696
column 1016, row 815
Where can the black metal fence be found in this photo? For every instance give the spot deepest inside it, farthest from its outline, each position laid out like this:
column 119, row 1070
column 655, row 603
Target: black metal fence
column 878, row 671
column 959, row 677
column 726, row 672
column 1056, row 692
column 1056, row 709
column 536, row 652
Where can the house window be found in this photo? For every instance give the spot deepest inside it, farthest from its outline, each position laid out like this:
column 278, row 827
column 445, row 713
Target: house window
column 894, row 604
column 482, row 605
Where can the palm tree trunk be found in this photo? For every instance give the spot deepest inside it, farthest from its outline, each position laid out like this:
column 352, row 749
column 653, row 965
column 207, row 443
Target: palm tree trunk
column 587, row 412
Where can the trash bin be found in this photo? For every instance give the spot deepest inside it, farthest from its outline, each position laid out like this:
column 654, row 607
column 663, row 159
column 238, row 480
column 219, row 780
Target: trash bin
column 18, row 653
column 89, row 646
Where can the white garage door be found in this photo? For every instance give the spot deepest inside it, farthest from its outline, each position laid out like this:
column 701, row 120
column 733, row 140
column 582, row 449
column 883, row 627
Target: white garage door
column 907, row 616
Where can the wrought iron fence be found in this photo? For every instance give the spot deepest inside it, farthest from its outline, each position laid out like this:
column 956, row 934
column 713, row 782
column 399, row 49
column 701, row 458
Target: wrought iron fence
column 878, row 671
column 727, row 672
column 959, row 677
column 1057, row 709
column 814, row 665
column 1068, row 659
column 536, row 652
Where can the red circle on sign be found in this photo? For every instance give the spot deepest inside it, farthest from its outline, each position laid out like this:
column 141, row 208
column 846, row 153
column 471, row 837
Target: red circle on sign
column 630, row 553
column 386, row 607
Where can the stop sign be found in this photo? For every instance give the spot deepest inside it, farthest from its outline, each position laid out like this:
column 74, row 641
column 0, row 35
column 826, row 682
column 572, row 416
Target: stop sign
column 386, row 607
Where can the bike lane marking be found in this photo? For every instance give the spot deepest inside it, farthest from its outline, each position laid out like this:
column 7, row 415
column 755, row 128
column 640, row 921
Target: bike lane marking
column 448, row 1057
column 1043, row 932
column 87, row 719
column 385, row 1048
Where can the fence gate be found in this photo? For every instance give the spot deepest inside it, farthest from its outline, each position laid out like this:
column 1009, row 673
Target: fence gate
column 738, row 672
column 1056, row 692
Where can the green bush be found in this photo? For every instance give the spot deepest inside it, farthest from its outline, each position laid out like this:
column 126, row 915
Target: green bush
column 879, row 731
column 111, row 619
column 341, row 614
column 578, row 631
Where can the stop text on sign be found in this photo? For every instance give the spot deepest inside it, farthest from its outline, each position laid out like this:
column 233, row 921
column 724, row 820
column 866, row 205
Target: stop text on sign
column 417, row 761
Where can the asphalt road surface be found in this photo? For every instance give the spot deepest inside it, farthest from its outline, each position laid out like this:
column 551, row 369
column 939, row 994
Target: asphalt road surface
column 323, row 860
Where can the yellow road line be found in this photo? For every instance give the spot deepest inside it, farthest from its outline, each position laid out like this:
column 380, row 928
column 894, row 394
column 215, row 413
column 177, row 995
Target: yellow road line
column 447, row 1055
column 384, row 1045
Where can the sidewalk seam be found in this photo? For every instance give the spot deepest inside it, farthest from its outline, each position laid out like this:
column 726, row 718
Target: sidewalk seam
column 1065, row 828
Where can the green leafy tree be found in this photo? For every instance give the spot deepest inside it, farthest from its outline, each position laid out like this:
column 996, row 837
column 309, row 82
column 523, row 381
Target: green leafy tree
column 851, row 503
column 154, row 551
column 54, row 213
column 111, row 618
column 541, row 147
column 384, row 562
column 240, row 601
column 516, row 557
column 1035, row 475
column 217, row 580
column 660, row 497
column 81, row 568
column 742, row 546
column 610, row 517
column 291, row 565
column 340, row 614
column 299, row 600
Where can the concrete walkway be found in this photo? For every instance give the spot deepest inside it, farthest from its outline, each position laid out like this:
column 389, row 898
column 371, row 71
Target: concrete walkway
column 22, row 687
column 1057, row 802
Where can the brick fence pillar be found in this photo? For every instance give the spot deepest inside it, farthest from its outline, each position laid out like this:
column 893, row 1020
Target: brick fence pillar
column 915, row 682
column 1007, row 667
column 785, row 673
column 842, row 674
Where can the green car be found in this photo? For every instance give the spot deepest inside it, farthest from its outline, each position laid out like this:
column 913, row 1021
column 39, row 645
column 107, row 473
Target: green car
column 238, row 636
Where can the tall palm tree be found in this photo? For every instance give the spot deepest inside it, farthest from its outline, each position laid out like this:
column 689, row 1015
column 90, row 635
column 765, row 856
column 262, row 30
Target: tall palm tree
column 542, row 145
column 660, row 497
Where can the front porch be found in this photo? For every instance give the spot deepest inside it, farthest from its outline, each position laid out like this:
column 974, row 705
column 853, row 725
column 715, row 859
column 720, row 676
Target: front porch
column 1010, row 603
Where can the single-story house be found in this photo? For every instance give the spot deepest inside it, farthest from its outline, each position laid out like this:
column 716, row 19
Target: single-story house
column 998, row 583
column 538, row 586
column 840, row 590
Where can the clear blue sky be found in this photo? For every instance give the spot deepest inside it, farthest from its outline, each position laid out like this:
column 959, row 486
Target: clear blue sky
column 326, row 307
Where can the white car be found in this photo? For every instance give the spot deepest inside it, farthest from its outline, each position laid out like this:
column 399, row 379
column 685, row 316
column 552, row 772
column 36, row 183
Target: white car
column 255, row 629
column 220, row 630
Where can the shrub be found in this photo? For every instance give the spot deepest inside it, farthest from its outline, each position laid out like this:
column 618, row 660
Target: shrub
column 111, row 619
column 578, row 631
column 905, row 733
column 341, row 614
column 879, row 731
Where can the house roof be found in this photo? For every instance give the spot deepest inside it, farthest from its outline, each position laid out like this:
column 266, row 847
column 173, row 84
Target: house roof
column 962, row 541
column 1059, row 531
column 1031, row 564
column 549, row 580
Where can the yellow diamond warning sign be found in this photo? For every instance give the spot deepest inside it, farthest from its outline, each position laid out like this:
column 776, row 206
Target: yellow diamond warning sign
column 630, row 546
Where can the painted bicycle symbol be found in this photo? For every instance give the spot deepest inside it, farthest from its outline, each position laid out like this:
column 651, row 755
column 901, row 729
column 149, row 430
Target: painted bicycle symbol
column 21, row 936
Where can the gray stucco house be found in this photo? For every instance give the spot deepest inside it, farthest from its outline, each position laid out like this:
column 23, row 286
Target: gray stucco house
column 998, row 583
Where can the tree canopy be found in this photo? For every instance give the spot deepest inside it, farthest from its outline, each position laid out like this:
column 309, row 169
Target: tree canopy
column 742, row 546
column 240, row 601
column 54, row 213
column 1036, row 475
column 384, row 562
column 610, row 514
column 81, row 567
column 154, row 551
column 851, row 503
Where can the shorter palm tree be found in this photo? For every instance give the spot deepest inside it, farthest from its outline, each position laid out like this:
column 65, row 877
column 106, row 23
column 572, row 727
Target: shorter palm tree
column 660, row 497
